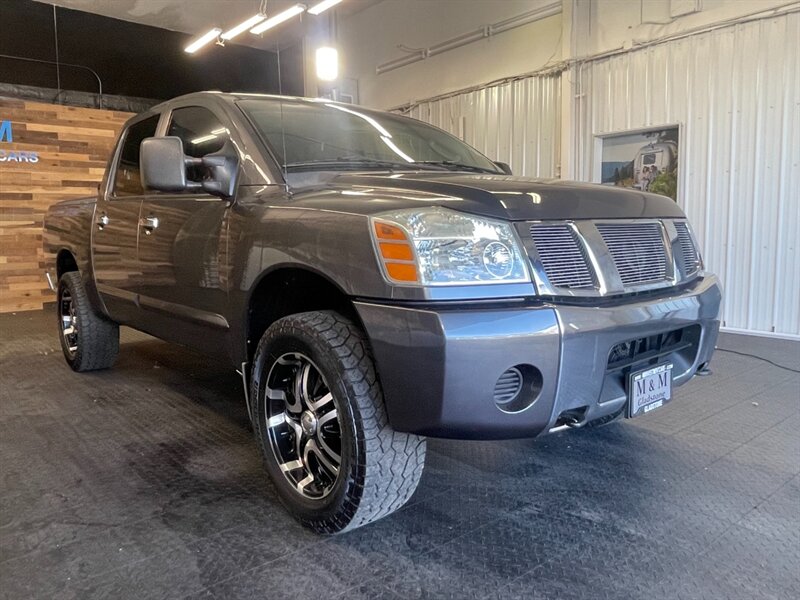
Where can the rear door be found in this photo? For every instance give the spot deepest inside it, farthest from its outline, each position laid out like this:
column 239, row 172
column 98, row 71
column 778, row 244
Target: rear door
column 180, row 241
column 116, row 226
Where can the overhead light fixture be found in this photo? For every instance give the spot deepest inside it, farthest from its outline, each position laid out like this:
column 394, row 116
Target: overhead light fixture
column 244, row 26
column 278, row 19
column 203, row 40
column 327, row 63
column 323, row 6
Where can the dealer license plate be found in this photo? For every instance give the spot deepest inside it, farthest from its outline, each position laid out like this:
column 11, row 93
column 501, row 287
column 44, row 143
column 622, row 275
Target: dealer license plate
column 649, row 389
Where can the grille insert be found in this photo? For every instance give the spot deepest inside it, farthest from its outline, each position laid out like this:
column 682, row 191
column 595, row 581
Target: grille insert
column 562, row 256
column 637, row 250
column 690, row 259
column 508, row 386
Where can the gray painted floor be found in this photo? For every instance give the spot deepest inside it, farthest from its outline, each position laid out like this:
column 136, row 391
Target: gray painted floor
column 144, row 482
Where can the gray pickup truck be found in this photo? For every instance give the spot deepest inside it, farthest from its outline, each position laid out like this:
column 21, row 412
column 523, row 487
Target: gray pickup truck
column 375, row 281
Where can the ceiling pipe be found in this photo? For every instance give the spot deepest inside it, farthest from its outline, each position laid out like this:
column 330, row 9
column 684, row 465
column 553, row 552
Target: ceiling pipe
column 549, row 10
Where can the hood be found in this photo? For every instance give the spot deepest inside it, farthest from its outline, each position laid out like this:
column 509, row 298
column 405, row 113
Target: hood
column 496, row 196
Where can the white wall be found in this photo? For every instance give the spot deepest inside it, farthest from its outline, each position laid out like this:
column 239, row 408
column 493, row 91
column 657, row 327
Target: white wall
column 370, row 37
column 602, row 25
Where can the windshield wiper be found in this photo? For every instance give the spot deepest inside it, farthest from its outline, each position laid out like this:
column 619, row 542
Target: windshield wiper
column 455, row 166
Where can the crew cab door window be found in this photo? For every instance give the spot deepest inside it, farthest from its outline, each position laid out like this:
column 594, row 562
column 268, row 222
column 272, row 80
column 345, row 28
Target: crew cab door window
column 126, row 180
column 199, row 129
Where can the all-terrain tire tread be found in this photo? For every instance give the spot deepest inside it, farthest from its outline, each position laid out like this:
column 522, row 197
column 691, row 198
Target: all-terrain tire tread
column 98, row 341
column 392, row 462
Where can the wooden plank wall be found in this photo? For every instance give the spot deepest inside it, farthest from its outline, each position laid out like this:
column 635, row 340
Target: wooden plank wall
column 73, row 145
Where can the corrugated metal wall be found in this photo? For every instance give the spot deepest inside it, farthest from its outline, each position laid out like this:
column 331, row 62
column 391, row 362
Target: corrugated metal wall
column 736, row 94
column 515, row 122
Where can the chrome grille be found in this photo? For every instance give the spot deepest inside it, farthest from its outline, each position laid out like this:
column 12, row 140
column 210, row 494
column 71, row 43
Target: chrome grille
column 690, row 259
column 637, row 250
column 562, row 256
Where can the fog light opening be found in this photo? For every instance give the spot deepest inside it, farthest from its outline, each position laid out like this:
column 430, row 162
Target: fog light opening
column 517, row 388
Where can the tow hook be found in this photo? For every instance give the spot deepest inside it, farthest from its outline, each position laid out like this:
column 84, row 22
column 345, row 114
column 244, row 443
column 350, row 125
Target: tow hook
column 573, row 418
column 703, row 370
column 573, row 422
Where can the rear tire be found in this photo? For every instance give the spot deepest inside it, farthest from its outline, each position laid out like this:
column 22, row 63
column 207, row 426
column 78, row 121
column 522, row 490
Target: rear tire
column 319, row 417
column 89, row 341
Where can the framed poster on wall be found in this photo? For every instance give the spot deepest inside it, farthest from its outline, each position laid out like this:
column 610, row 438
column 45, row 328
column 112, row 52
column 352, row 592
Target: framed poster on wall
column 644, row 159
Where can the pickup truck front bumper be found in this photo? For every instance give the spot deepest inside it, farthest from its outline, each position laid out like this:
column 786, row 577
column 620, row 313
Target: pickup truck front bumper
column 439, row 366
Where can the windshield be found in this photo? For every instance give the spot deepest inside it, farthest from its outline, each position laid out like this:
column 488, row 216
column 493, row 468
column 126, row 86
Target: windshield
column 321, row 135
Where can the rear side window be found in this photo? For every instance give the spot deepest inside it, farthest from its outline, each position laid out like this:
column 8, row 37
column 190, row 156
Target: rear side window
column 200, row 130
column 126, row 179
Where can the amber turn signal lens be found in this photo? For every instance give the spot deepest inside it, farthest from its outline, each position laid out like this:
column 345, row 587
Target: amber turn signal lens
column 385, row 231
column 396, row 252
column 401, row 271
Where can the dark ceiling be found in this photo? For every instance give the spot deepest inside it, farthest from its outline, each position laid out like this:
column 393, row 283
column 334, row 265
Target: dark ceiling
column 131, row 59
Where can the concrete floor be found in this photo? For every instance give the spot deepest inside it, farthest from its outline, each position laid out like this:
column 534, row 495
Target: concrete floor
column 144, row 482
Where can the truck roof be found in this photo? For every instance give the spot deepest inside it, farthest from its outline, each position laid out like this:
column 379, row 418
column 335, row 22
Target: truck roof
column 232, row 96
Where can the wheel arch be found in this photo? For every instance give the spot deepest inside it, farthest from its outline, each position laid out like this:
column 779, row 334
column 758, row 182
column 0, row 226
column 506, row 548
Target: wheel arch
column 65, row 262
column 291, row 289
column 68, row 260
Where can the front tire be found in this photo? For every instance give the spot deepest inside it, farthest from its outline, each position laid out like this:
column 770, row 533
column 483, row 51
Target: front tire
column 321, row 423
column 89, row 340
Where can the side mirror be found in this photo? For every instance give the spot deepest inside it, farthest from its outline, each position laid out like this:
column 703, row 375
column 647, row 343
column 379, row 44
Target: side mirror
column 503, row 167
column 222, row 167
column 163, row 166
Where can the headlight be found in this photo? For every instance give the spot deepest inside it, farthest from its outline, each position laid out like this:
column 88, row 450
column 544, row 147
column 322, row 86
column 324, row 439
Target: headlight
column 438, row 246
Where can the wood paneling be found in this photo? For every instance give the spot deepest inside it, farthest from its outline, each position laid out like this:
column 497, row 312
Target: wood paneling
column 73, row 145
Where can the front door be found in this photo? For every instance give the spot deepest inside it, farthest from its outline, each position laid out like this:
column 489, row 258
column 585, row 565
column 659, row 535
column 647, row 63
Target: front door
column 116, row 227
column 182, row 238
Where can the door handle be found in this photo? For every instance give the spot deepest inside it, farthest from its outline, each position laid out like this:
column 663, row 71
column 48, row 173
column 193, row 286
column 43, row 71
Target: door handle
column 102, row 221
column 149, row 224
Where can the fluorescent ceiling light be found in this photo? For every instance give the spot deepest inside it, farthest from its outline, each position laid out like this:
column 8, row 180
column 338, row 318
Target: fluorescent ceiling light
column 323, row 6
column 232, row 33
column 203, row 40
column 203, row 138
column 278, row 19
